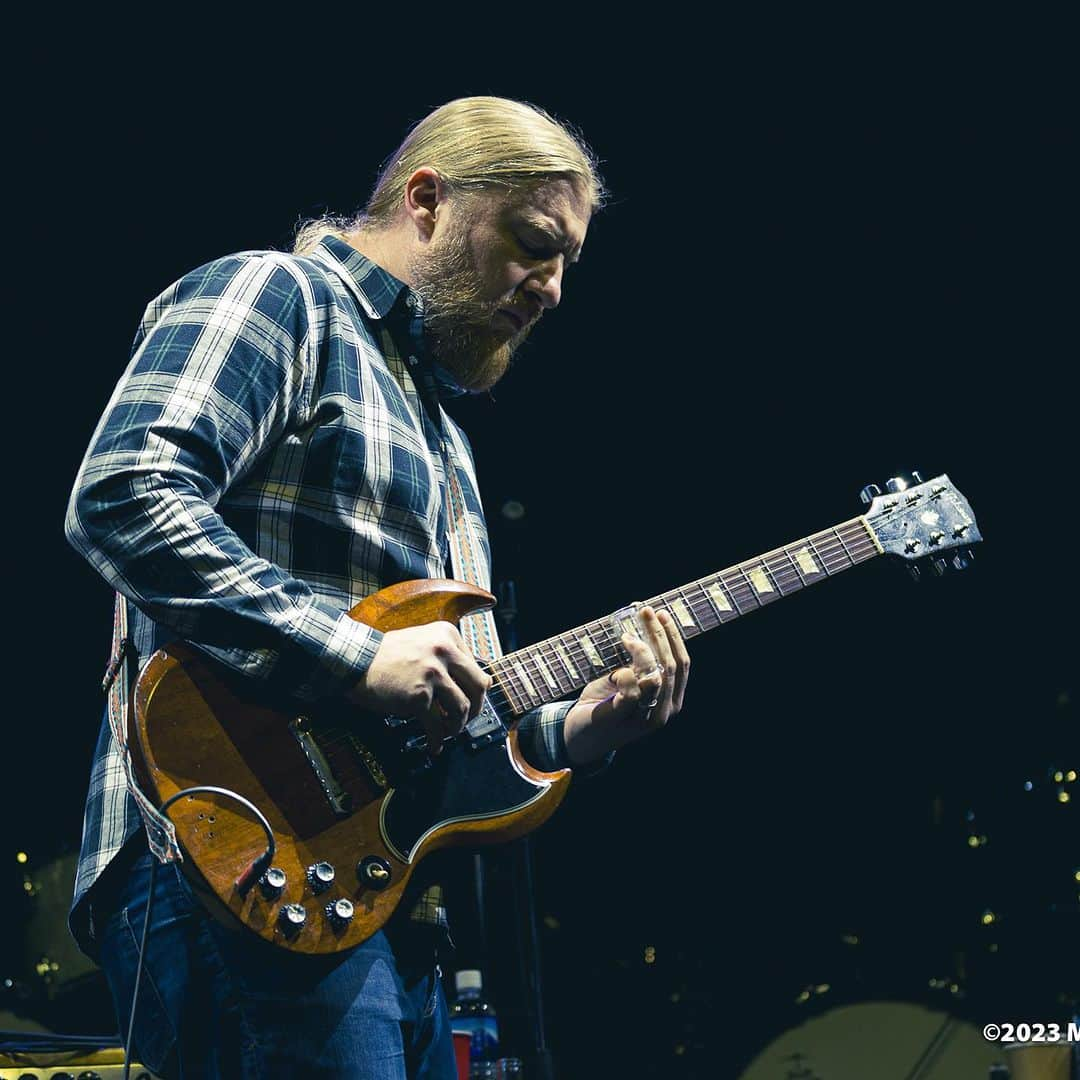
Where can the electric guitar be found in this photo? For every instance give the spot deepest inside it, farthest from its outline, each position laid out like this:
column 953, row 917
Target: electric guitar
column 355, row 802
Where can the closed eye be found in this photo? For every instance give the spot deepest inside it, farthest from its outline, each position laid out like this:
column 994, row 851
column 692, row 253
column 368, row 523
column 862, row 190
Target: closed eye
column 534, row 251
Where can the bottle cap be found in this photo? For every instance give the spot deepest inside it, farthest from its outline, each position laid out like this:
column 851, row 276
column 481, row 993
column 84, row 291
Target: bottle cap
column 468, row 979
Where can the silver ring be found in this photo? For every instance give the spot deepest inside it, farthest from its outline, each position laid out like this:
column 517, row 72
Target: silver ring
column 652, row 704
column 658, row 670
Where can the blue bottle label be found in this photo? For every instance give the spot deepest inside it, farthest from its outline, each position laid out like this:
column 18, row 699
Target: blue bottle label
column 484, row 1035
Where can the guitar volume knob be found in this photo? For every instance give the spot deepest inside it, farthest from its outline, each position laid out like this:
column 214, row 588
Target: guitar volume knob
column 339, row 912
column 320, row 876
column 291, row 919
column 272, row 883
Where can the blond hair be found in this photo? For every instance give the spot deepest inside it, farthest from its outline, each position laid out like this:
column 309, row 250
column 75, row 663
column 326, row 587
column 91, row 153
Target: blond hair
column 474, row 143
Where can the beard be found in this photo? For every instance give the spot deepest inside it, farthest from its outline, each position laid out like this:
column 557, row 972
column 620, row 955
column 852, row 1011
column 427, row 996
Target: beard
column 458, row 321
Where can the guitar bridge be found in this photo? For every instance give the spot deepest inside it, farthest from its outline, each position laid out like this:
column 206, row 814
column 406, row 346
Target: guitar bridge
column 485, row 728
column 339, row 799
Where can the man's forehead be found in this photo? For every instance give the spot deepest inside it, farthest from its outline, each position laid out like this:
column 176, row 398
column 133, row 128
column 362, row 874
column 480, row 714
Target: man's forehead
column 554, row 205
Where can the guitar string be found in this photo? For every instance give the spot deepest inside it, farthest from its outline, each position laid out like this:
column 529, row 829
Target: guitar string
column 612, row 655
column 822, row 541
column 835, row 550
column 740, row 590
column 833, row 554
column 834, row 560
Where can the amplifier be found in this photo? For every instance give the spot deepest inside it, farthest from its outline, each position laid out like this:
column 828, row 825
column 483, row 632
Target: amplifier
column 76, row 1071
column 100, row 1065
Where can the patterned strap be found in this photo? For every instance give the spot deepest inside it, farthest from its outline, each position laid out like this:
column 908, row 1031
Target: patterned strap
column 478, row 629
column 160, row 831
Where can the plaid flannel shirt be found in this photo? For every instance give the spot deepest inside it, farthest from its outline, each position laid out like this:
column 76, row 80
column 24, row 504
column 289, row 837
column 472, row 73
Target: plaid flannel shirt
column 273, row 454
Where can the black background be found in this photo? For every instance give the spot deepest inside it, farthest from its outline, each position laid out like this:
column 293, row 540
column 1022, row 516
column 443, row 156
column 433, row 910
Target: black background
column 833, row 252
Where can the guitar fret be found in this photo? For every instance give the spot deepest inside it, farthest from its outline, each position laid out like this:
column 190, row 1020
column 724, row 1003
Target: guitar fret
column 504, row 681
column 836, row 533
column 546, row 672
column 759, row 579
column 731, row 593
column 798, row 581
column 526, row 682
column 778, row 574
column 700, row 607
column 816, row 543
column 558, row 667
column 805, row 563
column 571, row 667
column 681, row 613
column 590, row 651
column 719, row 599
column 497, row 688
column 745, row 587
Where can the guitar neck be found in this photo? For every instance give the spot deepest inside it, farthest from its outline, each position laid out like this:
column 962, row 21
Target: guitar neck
column 562, row 665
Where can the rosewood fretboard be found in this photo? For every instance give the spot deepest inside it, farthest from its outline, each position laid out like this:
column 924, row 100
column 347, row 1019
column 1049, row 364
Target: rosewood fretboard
column 561, row 665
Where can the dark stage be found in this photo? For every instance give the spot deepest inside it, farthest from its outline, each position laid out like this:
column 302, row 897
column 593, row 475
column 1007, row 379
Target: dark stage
column 813, row 275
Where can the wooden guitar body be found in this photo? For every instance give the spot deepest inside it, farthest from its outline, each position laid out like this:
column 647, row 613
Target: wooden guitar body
column 340, row 790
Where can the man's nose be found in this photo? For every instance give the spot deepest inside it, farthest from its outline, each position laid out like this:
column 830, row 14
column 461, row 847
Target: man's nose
column 546, row 282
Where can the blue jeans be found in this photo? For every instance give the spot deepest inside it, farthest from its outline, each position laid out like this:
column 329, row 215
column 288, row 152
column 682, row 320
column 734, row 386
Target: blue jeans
column 221, row 1003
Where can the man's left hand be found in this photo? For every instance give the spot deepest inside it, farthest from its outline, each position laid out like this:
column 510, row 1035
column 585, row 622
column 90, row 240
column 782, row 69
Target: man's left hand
column 634, row 700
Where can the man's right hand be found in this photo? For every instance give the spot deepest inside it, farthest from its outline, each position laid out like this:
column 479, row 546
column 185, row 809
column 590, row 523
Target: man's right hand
column 425, row 672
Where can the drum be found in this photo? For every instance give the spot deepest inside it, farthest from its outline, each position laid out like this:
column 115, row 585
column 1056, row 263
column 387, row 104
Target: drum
column 1039, row 1060
column 884, row 1040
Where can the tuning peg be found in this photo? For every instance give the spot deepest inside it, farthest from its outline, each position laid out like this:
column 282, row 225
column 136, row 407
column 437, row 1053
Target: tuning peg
column 915, row 570
column 961, row 560
column 869, row 494
column 902, row 482
column 939, row 565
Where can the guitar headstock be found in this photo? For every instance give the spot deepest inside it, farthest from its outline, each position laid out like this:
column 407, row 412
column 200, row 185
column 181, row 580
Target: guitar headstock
column 917, row 520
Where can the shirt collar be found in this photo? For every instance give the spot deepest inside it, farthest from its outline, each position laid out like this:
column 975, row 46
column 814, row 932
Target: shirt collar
column 376, row 289
column 383, row 296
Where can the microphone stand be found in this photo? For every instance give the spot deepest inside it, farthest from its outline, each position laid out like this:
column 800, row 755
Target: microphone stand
column 516, row 862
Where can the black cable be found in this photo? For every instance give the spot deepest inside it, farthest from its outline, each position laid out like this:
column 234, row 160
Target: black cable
column 253, row 872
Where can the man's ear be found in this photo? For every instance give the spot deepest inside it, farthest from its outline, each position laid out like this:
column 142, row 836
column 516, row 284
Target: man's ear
column 425, row 193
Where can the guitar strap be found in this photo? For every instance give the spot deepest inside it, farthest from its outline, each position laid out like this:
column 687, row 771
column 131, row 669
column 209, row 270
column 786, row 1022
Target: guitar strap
column 466, row 556
column 160, row 831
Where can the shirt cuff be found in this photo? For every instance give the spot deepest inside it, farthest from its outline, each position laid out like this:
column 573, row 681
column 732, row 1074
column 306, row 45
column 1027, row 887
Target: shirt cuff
column 541, row 740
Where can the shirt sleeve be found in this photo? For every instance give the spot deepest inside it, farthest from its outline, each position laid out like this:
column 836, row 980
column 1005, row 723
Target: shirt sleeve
column 540, row 738
column 222, row 368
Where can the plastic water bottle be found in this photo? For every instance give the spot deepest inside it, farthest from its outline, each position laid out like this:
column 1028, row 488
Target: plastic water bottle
column 472, row 1012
